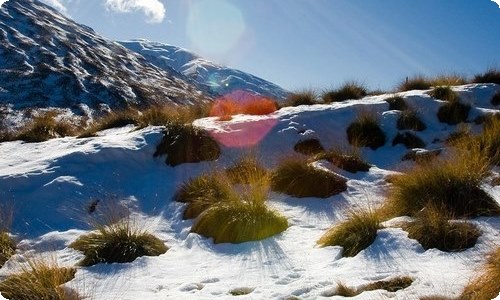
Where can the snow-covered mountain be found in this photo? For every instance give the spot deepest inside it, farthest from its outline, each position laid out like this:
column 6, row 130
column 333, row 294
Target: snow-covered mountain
column 217, row 79
column 47, row 60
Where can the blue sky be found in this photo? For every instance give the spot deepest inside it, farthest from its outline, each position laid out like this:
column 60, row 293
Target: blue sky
column 312, row 43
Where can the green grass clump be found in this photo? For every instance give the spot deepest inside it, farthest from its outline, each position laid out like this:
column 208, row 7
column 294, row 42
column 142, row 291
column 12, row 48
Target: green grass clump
column 444, row 93
column 350, row 162
column 297, row 178
column 304, row 97
column 39, row 280
column 247, row 170
column 409, row 120
column 118, row 242
column 453, row 112
column 45, row 127
column 454, row 185
column 354, row 234
column 432, row 229
column 349, row 90
column 202, row 192
column 418, row 82
column 308, row 147
column 490, row 76
column 366, row 132
column 408, row 139
column 486, row 286
column 7, row 247
column 184, row 143
column 396, row 103
column 495, row 100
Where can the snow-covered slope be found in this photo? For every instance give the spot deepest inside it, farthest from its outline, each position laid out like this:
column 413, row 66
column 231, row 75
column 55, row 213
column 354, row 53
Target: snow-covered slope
column 47, row 60
column 207, row 75
column 51, row 184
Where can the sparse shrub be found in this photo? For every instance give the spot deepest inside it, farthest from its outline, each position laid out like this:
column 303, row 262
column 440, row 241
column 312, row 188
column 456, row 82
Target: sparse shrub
column 39, row 280
column 350, row 162
column 202, row 192
column 409, row 120
column 397, row 103
column 309, row 147
column 415, row 83
column 247, row 170
column 45, row 127
column 7, row 247
column 486, row 286
column 495, row 100
column 408, row 139
column 354, row 234
column 184, row 143
column 366, row 132
column 297, row 178
column 118, row 242
column 454, row 185
column 432, row 229
column 490, row 76
column 449, row 80
column 444, row 93
column 349, row 90
column 113, row 119
column 453, row 113
column 304, row 97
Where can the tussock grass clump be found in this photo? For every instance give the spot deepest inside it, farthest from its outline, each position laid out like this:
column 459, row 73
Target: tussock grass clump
column 345, row 291
column 227, row 107
column 489, row 139
column 409, row 120
column 366, row 132
column 241, row 291
column 247, row 170
column 453, row 112
column 303, row 97
column 432, row 229
column 39, row 280
column 486, row 285
column 490, row 76
column 184, row 143
column 297, row 178
column 495, row 100
column 7, row 247
column 350, row 162
column 396, row 103
column 202, row 192
column 349, row 90
column 418, row 82
column 454, row 185
column 309, row 146
column 45, row 127
column 449, row 80
column 354, row 234
column 118, row 242
column 444, row 93
column 113, row 119
column 391, row 285
column 421, row 156
column 408, row 139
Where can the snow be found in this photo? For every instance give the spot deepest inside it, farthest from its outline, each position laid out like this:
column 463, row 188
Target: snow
column 51, row 184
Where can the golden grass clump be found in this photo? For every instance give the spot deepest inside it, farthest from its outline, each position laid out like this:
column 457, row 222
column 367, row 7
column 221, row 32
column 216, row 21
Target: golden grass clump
column 185, row 143
column 45, row 127
column 118, row 242
column 349, row 90
column 113, row 119
column 444, row 93
column 354, row 234
column 396, row 103
column 37, row 280
column 7, row 247
column 365, row 131
column 391, row 285
column 303, row 97
column 491, row 75
column 453, row 184
column 247, row 170
column 349, row 161
column 298, row 178
column 432, row 228
column 418, row 82
column 448, row 80
column 410, row 120
column 309, row 146
column 453, row 112
column 485, row 287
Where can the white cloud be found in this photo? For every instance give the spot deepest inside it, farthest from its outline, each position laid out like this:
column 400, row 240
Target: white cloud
column 153, row 9
column 57, row 4
column 497, row 2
